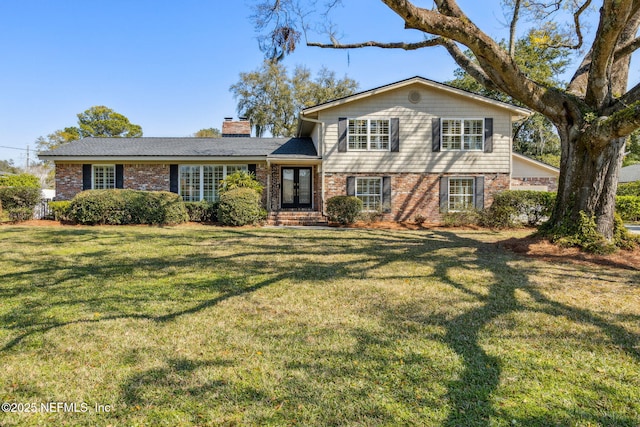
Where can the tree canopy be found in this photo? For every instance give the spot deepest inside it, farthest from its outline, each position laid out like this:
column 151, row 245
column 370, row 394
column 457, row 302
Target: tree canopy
column 208, row 133
column 594, row 114
column 271, row 99
column 97, row 121
column 535, row 136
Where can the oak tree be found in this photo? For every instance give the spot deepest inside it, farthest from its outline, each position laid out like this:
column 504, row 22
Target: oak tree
column 594, row 114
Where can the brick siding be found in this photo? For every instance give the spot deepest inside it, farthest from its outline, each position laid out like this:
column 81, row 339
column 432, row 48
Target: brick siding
column 415, row 194
column 68, row 181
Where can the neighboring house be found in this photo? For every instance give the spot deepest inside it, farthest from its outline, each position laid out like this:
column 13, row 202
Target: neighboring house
column 531, row 174
column 630, row 173
column 411, row 148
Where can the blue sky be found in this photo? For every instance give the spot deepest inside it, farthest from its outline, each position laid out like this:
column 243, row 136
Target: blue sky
column 168, row 65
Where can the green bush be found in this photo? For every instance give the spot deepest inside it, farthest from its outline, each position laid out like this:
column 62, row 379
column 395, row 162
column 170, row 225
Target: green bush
column 21, row 180
column 629, row 189
column 513, row 207
column 60, row 210
column 241, row 179
column 127, row 207
column 344, row 209
column 20, row 214
column 628, row 207
column 202, row 211
column 240, row 206
column 462, row 218
column 18, row 202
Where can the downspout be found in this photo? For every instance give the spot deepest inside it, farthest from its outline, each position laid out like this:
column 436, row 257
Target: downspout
column 320, row 151
column 268, row 185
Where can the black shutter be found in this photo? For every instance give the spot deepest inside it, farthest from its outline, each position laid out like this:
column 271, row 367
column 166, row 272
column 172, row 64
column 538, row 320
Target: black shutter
column 386, row 194
column 395, row 135
column 351, row 186
column 435, row 135
column 173, row 178
column 444, row 194
column 479, row 192
column 86, row 177
column 119, row 176
column 342, row 134
column 488, row 135
column 252, row 169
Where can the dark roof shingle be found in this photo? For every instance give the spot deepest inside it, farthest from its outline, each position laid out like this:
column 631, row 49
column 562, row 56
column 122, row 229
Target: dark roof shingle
column 185, row 147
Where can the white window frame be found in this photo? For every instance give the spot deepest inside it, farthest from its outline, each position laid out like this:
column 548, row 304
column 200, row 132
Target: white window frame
column 462, row 134
column 366, row 208
column 450, row 195
column 94, row 181
column 227, row 169
column 369, row 135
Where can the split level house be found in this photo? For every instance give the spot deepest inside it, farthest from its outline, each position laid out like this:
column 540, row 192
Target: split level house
column 414, row 148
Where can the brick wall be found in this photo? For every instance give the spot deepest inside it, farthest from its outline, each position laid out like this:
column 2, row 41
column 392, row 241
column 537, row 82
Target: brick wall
column 415, row 194
column 68, row 181
column 148, row 177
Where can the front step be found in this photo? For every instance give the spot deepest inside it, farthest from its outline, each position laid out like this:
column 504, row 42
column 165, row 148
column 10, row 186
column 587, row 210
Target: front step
column 303, row 218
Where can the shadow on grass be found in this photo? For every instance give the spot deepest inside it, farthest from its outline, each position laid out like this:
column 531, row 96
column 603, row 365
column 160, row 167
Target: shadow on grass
column 298, row 257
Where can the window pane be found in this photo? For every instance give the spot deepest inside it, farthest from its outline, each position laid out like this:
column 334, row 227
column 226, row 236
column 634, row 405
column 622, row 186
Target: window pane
column 461, row 192
column 190, row 183
column 104, row 177
column 369, row 190
column 208, row 183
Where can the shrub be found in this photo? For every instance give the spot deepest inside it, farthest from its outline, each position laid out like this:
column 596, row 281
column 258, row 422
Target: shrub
column 202, row 211
column 629, row 189
column 628, row 207
column 127, row 207
column 462, row 218
column 18, row 202
column 513, row 207
column 60, row 210
column 240, row 206
column 344, row 209
column 21, row 180
column 20, row 214
column 241, row 179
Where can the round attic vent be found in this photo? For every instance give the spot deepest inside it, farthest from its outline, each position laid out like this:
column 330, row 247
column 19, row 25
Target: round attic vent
column 414, row 96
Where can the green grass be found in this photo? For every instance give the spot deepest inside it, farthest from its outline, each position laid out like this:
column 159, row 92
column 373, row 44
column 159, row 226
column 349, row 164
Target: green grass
column 211, row 326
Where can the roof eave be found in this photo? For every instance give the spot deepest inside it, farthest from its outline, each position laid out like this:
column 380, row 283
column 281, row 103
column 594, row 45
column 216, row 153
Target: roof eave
column 518, row 113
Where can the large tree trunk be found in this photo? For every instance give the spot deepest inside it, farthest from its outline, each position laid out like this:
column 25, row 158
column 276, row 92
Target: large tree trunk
column 588, row 181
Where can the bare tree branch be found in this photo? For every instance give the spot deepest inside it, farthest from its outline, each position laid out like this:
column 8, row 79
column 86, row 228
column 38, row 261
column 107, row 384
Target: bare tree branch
column 512, row 28
column 397, row 45
column 613, row 20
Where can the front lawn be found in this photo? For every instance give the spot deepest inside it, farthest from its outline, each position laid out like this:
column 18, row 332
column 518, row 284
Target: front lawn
column 212, row 326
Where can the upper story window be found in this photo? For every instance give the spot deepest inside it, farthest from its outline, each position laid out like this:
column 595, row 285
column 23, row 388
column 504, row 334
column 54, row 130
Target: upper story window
column 104, row 177
column 201, row 182
column 462, row 134
column 368, row 134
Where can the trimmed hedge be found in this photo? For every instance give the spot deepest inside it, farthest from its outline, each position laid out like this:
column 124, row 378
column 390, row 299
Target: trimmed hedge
column 60, row 210
column 511, row 208
column 240, row 206
column 202, row 211
column 21, row 180
column 344, row 209
column 18, row 202
column 628, row 207
column 117, row 207
column 629, row 189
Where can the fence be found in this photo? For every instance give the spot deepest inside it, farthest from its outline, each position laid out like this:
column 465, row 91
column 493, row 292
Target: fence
column 41, row 210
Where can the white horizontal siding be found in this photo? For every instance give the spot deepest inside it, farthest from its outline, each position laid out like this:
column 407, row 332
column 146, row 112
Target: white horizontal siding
column 415, row 135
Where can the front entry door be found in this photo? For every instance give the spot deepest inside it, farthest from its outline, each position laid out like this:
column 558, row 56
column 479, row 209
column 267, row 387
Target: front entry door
column 296, row 188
